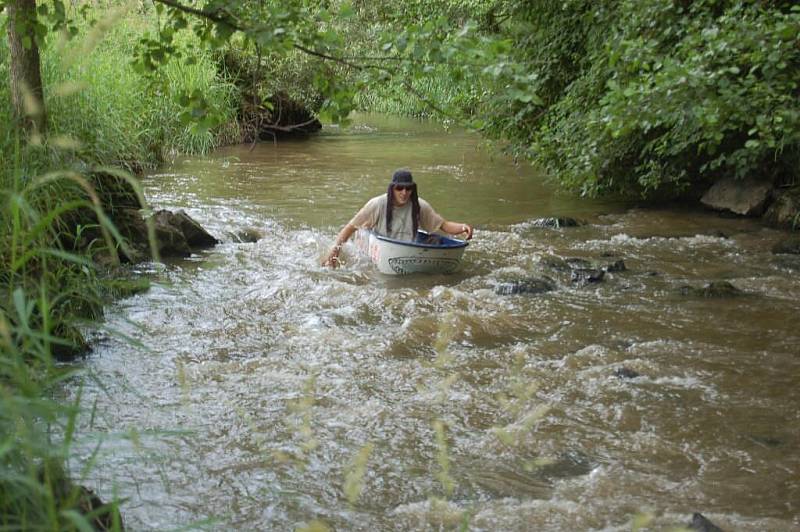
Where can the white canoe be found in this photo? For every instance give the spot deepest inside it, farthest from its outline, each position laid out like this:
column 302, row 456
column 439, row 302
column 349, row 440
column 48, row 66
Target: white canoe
column 429, row 253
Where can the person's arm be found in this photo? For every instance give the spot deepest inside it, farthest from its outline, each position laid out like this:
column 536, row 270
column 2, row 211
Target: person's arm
column 456, row 228
column 344, row 235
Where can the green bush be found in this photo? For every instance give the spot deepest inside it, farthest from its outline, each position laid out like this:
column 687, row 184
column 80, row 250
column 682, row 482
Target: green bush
column 655, row 96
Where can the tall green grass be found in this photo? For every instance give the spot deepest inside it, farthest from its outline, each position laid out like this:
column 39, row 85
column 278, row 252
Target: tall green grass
column 44, row 288
column 116, row 115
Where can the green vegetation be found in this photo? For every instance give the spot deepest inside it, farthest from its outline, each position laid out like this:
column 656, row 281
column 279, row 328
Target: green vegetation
column 640, row 98
column 44, row 290
column 658, row 96
column 101, row 110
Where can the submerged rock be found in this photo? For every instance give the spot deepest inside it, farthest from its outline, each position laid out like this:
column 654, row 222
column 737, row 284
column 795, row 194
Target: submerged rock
column 767, row 441
column 701, row 524
column 578, row 263
column 626, row 373
column 616, row 267
column 527, row 286
column 553, row 263
column 572, row 463
column 250, row 235
column 576, row 270
column 716, row 289
column 584, row 276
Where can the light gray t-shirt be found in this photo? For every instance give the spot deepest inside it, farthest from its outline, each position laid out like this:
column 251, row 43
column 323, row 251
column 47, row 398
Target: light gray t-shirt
column 373, row 216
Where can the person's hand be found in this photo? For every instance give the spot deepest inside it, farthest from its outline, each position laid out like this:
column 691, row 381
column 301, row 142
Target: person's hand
column 466, row 228
column 332, row 261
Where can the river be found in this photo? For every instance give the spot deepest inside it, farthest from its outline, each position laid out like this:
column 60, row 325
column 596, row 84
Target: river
column 251, row 389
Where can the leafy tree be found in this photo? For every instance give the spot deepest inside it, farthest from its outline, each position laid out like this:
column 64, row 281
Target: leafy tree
column 656, row 96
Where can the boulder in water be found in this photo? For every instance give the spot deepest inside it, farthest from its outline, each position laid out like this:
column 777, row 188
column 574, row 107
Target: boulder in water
column 193, row 232
column 169, row 238
column 587, row 276
column 250, row 235
column 555, row 222
column 785, row 210
column 626, row 373
column 616, row 267
column 746, row 197
column 554, row 263
column 176, row 234
column 716, row 289
column 531, row 286
column 576, row 263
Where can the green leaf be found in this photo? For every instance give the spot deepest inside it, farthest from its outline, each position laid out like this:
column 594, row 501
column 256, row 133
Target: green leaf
column 346, row 11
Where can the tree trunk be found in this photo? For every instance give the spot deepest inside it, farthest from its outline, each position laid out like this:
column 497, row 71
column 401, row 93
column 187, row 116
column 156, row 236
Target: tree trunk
column 27, row 94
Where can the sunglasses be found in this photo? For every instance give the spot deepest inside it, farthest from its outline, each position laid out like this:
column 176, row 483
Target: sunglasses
column 404, row 187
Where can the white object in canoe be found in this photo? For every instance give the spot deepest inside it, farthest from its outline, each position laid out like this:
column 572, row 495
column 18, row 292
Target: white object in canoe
column 429, row 253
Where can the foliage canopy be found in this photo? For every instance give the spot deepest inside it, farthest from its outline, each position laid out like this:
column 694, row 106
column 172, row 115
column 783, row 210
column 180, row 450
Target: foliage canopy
column 637, row 97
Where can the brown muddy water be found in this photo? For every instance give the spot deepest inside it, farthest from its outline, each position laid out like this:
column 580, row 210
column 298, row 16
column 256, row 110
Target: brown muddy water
column 252, row 389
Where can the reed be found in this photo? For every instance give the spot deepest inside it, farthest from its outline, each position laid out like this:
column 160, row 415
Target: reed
column 44, row 288
column 119, row 116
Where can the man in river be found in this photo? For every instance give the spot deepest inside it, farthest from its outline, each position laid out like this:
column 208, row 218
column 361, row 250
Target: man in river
column 397, row 214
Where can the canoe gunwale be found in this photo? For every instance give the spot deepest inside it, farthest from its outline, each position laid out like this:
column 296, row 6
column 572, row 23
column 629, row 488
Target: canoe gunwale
column 453, row 243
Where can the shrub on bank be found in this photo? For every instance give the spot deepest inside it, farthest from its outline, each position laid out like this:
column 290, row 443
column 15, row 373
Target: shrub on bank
column 655, row 97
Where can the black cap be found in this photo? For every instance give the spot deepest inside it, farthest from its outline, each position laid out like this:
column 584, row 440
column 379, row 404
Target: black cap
column 402, row 177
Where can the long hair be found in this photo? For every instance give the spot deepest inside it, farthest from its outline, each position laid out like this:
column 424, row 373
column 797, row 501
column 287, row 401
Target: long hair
column 414, row 209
